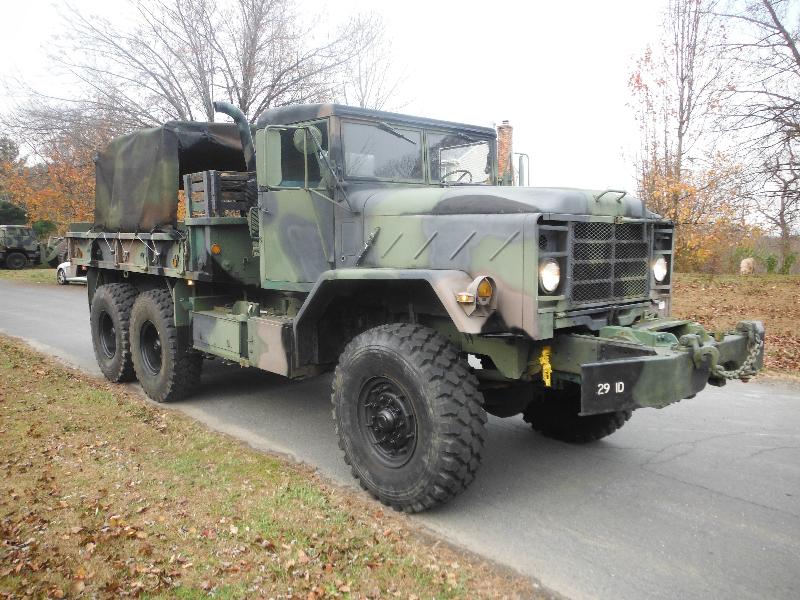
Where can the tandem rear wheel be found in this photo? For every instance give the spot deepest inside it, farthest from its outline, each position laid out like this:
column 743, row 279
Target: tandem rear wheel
column 408, row 416
column 110, row 316
column 166, row 370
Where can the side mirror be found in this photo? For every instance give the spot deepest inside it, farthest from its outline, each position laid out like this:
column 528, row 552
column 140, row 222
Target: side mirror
column 268, row 157
column 307, row 139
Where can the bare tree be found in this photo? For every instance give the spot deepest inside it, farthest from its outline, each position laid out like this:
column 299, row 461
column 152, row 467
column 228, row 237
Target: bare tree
column 764, row 102
column 43, row 126
column 372, row 79
column 779, row 203
column 676, row 87
column 178, row 56
column 762, row 106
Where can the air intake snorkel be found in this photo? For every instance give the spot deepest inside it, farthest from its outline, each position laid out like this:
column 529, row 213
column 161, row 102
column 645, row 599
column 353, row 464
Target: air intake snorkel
column 244, row 131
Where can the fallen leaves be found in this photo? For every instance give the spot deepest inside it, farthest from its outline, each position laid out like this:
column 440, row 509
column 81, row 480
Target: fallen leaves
column 97, row 502
column 720, row 302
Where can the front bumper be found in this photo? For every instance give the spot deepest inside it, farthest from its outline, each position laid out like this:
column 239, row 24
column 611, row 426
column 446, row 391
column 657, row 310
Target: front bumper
column 657, row 363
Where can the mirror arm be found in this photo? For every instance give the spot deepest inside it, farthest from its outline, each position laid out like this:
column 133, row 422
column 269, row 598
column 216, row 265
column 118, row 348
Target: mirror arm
column 331, row 200
column 321, row 154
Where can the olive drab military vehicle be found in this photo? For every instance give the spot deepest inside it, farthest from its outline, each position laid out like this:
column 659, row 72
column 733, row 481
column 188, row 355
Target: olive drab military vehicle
column 54, row 252
column 19, row 246
column 382, row 246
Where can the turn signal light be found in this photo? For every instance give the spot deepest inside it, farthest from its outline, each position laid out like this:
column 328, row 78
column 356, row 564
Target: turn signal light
column 215, row 249
column 478, row 295
column 485, row 289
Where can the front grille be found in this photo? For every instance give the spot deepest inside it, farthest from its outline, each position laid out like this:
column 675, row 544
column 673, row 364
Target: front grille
column 609, row 262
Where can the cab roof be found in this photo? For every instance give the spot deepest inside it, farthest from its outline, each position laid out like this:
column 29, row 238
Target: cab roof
column 298, row 113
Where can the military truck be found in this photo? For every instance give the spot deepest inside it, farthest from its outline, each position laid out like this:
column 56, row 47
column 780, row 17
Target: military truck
column 19, row 246
column 54, row 252
column 382, row 247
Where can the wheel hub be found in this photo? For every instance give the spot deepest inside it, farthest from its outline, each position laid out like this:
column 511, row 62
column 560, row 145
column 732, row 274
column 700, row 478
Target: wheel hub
column 385, row 421
column 388, row 421
column 108, row 335
column 151, row 348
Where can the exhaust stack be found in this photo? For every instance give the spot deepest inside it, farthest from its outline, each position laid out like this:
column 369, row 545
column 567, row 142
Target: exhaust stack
column 244, row 131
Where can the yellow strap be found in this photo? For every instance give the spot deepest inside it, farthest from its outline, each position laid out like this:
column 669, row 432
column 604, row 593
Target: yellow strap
column 547, row 368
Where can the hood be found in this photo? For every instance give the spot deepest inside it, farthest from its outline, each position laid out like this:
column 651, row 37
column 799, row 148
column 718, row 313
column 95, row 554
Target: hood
column 484, row 200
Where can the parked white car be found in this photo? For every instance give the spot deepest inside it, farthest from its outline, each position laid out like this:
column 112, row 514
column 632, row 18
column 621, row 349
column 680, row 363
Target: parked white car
column 66, row 273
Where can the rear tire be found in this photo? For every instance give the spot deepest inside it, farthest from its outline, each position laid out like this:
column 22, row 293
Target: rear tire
column 16, row 261
column 555, row 415
column 110, row 316
column 408, row 415
column 166, row 371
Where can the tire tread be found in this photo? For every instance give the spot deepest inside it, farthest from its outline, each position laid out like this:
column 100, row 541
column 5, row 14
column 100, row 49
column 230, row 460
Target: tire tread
column 122, row 296
column 458, row 403
column 565, row 426
column 185, row 376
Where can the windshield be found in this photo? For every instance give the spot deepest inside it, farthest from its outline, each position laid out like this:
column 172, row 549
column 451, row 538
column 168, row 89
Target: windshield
column 382, row 151
column 454, row 158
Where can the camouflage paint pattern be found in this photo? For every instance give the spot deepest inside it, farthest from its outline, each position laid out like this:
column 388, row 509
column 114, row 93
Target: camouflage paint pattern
column 19, row 238
column 311, row 242
column 138, row 175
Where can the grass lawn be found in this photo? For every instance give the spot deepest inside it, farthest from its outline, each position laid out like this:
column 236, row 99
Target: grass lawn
column 32, row 275
column 104, row 494
column 718, row 302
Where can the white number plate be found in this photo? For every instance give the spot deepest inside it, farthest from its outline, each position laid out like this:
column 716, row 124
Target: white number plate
column 610, row 387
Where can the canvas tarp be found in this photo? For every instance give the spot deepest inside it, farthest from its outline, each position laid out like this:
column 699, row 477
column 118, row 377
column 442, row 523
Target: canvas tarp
column 138, row 175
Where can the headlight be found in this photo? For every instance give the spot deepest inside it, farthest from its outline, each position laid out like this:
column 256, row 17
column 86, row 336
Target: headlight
column 660, row 269
column 549, row 275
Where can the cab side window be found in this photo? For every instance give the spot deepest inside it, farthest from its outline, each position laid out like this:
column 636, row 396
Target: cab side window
column 300, row 154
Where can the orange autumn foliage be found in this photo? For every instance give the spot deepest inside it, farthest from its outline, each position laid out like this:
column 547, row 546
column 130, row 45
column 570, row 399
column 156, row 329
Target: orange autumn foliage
column 706, row 207
column 58, row 189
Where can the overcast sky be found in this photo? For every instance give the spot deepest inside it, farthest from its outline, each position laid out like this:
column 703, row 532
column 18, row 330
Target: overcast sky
column 558, row 71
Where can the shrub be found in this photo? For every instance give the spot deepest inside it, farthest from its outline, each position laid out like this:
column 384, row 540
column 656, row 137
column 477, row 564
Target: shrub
column 772, row 263
column 788, row 263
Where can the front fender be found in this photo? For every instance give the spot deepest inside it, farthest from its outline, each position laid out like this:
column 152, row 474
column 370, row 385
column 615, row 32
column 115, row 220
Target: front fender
column 445, row 284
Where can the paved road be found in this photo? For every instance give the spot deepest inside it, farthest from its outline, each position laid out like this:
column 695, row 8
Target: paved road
column 699, row 500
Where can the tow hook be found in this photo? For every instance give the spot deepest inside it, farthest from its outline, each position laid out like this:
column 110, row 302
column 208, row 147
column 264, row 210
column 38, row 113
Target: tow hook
column 700, row 351
column 753, row 330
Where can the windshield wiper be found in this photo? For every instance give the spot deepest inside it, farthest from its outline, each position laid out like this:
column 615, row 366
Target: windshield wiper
column 389, row 129
column 464, row 136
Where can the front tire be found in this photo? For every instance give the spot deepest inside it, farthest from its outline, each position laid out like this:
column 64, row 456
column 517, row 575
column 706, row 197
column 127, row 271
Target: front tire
column 16, row 261
column 166, row 371
column 555, row 415
column 110, row 316
column 408, row 415
column 61, row 277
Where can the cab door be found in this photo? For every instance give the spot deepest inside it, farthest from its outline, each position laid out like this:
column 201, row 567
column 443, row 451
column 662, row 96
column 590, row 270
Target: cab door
column 296, row 212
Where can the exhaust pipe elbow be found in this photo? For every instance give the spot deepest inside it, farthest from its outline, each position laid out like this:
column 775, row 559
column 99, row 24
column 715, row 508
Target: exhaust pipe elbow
column 244, row 131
